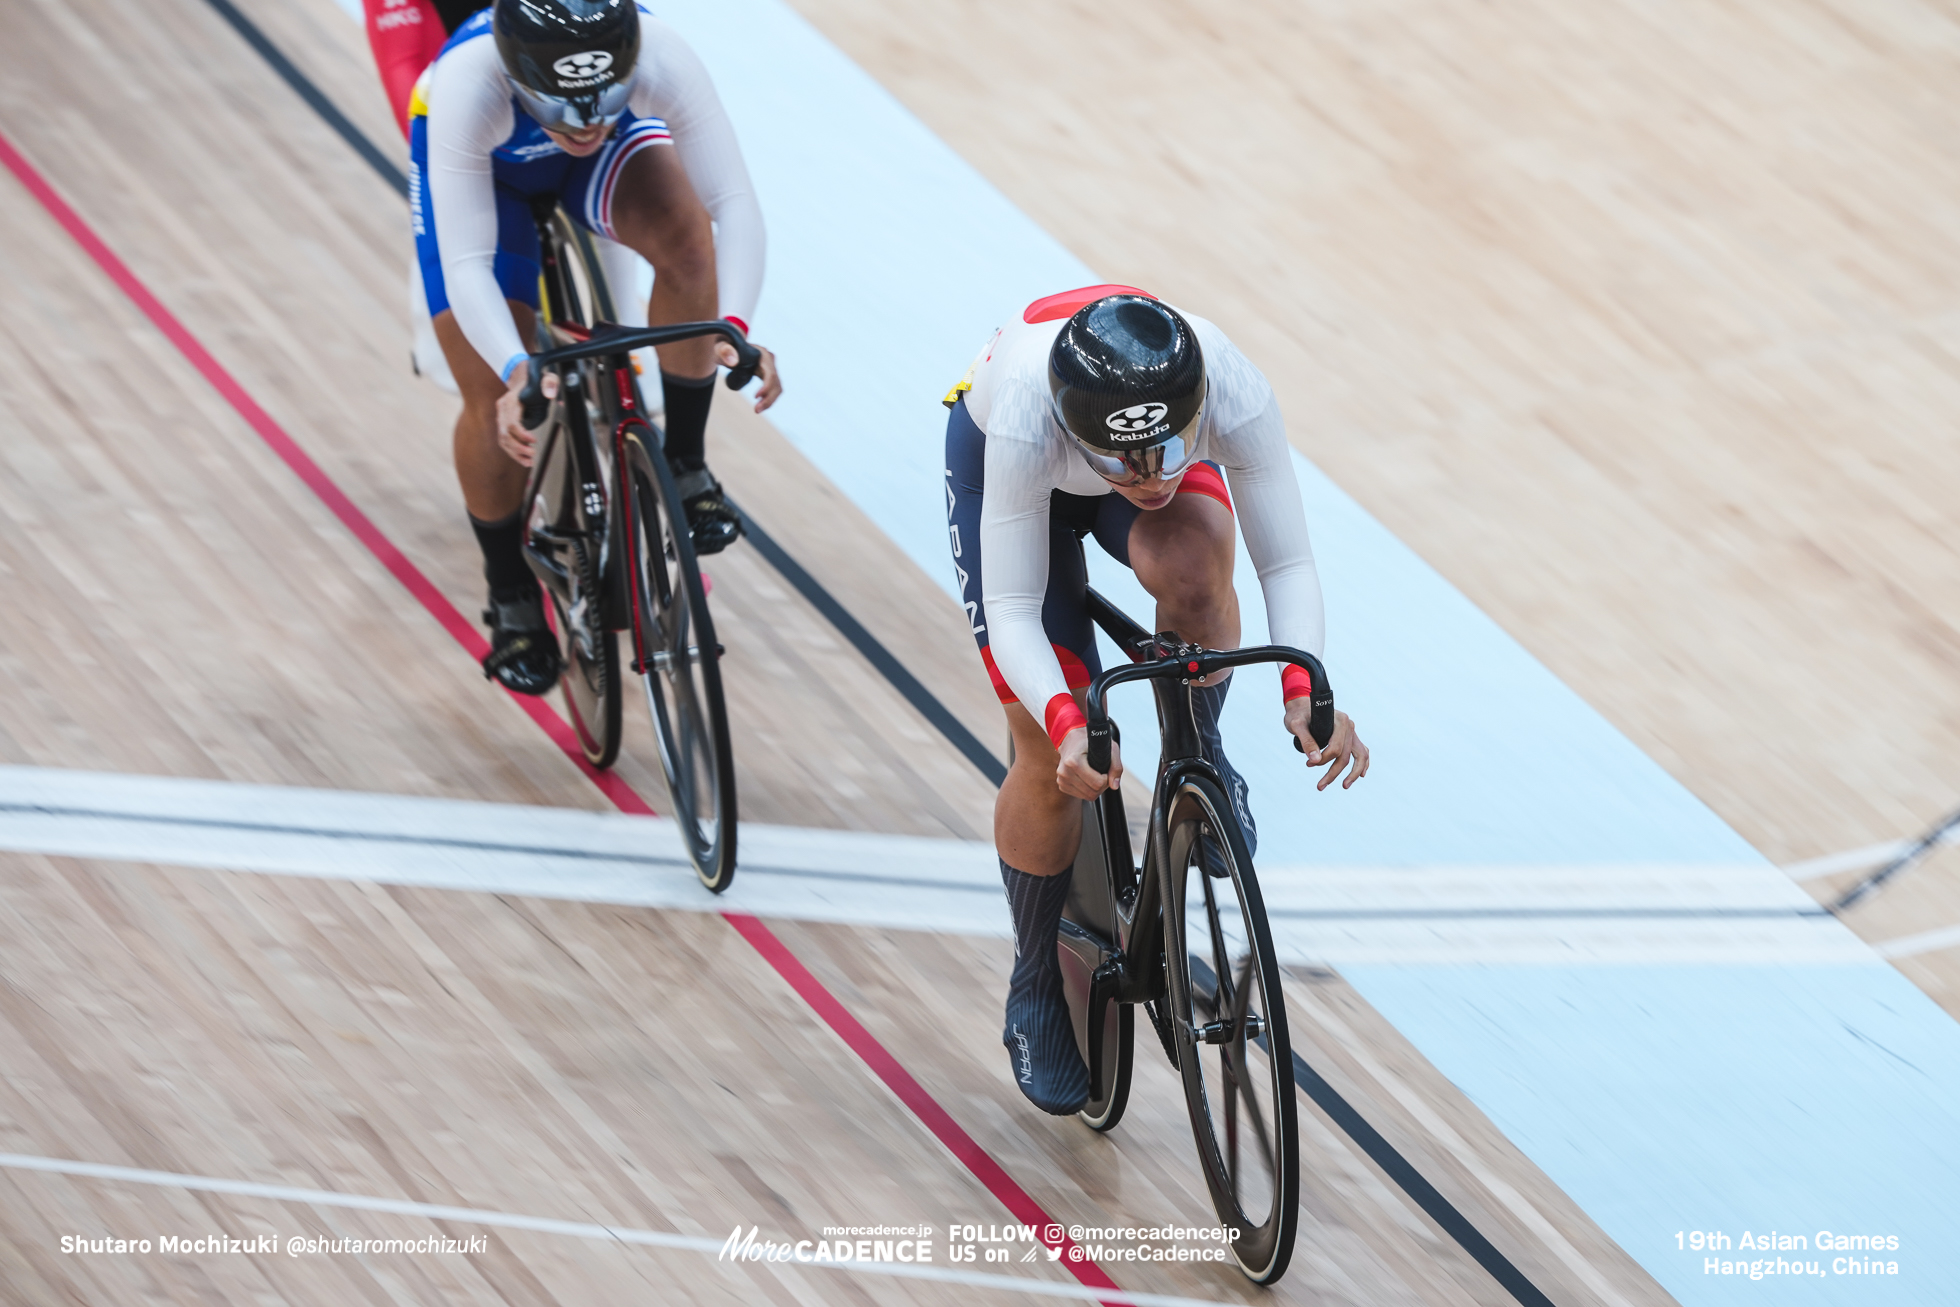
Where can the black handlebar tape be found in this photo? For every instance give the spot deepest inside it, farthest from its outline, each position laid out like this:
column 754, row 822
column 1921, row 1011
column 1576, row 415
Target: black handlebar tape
column 536, row 406
column 1099, row 738
column 1320, row 720
column 1320, row 723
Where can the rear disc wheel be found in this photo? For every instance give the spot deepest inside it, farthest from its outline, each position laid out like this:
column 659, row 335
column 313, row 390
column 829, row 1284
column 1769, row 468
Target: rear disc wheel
column 591, row 652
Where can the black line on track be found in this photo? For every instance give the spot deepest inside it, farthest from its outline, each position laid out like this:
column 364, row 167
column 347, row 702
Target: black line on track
column 888, row 665
column 875, row 653
column 1329, row 1099
column 1399, row 1169
column 322, row 832
column 315, row 98
column 474, row 846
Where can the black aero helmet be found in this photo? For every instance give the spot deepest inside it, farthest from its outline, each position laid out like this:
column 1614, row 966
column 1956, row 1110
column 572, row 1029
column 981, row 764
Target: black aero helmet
column 1128, row 382
column 570, row 61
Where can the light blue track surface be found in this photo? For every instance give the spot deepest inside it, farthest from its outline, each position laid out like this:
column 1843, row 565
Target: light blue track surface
column 1661, row 1098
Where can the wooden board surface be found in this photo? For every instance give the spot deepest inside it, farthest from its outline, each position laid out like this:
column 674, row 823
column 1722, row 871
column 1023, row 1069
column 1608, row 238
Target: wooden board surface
column 196, row 612
column 638, row 1069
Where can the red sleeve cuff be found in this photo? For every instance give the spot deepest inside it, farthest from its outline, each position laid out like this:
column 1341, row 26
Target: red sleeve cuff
column 1062, row 717
column 742, row 326
column 1294, row 683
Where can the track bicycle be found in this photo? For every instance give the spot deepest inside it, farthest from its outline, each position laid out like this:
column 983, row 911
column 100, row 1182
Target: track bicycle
column 607, row 536
column 1191, row 946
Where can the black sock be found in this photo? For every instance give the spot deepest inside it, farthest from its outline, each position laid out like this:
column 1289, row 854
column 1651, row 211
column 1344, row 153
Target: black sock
column 687, row 399
column 502, row 543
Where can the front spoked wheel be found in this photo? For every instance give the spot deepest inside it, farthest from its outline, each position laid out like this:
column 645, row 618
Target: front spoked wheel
column 1228, row 1021
column 679, row 660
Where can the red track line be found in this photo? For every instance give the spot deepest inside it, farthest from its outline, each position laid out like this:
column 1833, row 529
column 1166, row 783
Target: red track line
column 424, row 590
column 910, row 1092
column 773, row 950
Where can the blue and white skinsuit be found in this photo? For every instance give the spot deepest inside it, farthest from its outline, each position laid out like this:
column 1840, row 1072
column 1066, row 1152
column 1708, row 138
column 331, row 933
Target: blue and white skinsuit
column 476, row 158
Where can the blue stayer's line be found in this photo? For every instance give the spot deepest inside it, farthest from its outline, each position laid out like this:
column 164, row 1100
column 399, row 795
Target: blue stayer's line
column 1661, row 1099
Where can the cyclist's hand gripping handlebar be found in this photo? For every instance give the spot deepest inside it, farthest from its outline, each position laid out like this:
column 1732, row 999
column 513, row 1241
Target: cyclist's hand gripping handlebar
column 532, row 400
column 1101, row 733
column 1320, row 721
column 747, row 359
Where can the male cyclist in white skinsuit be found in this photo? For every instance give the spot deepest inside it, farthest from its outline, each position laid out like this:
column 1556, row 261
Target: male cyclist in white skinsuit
column 596, row 105
column 1106, row 411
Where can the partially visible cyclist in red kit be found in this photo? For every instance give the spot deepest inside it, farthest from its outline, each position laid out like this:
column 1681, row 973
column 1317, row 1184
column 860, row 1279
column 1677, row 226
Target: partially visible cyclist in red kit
column 406, row 36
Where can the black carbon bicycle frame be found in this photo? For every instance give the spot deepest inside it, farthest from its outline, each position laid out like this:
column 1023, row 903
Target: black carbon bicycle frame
column 1124, row 911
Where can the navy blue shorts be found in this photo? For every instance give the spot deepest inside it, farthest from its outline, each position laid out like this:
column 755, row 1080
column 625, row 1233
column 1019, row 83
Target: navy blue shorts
column 1071, row 518
column 583, row 186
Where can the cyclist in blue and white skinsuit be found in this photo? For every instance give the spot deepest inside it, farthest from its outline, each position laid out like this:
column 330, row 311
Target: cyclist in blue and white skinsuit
column 601, row 106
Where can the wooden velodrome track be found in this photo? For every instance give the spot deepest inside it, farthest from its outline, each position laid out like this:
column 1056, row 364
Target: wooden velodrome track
column 1650, row 352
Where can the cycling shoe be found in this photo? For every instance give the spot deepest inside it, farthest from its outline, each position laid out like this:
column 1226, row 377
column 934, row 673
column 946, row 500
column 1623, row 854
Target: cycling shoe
column 1040, row 1042
column 523, row 655
column 711, row 519
column 1039, row 1035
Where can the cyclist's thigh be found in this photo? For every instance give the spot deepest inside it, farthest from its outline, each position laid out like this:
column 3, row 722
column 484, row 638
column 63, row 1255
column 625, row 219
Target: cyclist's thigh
column 1194, row 530
column 634, row 190
column 1064, row 612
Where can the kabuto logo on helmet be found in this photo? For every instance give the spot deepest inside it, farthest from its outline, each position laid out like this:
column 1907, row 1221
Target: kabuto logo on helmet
column 586, row 68
column 1137, row 422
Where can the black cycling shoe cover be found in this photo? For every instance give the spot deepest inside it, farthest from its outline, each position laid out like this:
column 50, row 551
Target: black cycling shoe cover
column 1039, row 1036
column 711, row 519
column 1207, row 703
column 524, row 655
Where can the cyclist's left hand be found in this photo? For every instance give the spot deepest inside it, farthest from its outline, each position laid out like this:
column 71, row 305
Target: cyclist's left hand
column 1344, row 750
column 772, row 383
column 515, row 440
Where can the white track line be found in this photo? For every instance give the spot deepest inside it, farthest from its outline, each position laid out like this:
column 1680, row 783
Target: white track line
column 1858, row 859
column 1930, row 941
column 1607, row 914
column 574, row 1229
column 1850, row 860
